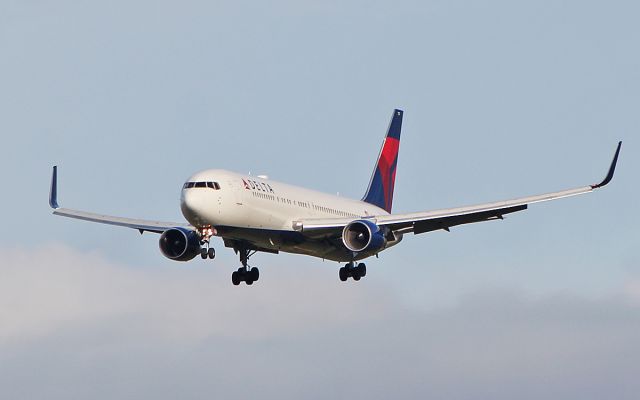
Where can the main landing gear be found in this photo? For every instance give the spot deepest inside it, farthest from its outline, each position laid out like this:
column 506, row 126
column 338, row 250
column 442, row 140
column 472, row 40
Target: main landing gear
column 245, row 273
column 355, row 272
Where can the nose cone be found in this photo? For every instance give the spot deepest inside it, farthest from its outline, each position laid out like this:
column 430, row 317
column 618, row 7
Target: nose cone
column 192, row 204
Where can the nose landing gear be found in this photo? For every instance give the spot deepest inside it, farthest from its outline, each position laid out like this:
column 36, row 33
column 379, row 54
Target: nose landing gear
column 208, row 252
column 205, row 237
column 355, row 272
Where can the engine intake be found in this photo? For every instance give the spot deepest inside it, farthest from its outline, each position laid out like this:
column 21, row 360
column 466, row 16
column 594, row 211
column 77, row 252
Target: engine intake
column 180, row 244
column 363, row 236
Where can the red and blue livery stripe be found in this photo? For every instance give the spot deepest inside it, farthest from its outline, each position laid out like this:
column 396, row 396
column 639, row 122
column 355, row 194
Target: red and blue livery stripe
column 380, row 191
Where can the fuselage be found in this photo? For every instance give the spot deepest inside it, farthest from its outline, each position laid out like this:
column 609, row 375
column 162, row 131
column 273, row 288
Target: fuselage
column 263, row 211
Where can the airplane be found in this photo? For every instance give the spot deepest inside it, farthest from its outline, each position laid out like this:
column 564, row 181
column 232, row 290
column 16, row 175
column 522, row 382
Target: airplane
column 256, row 214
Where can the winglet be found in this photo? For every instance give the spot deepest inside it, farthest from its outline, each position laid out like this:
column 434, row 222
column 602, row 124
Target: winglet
column 53, row 194
column 612, row 169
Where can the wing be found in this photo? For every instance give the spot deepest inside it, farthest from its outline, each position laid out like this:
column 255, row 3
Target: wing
column 139, row 224
column 428, row 221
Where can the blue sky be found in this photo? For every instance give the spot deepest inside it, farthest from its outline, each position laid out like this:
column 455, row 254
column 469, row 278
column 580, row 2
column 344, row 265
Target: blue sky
column 501, row 99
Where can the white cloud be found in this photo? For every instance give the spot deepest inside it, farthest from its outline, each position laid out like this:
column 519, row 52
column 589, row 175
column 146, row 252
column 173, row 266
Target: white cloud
column 47, row 290
column 632, row 291
column 76, row 326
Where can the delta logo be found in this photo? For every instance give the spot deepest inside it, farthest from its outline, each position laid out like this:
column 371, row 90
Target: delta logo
column 261, row 186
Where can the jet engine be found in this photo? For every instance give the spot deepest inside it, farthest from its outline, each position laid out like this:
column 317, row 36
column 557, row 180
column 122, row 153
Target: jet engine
column 180, row 244
column 363, row 236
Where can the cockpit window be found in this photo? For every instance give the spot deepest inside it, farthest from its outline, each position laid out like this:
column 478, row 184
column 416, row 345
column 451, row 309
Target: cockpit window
column 210, row 185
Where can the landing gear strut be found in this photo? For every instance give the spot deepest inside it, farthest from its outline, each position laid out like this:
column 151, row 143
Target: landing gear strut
column 355, row 272
column 245, row 273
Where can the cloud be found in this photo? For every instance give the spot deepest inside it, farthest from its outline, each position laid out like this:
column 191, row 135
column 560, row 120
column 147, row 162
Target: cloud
column 74, row 325
column 632, row 291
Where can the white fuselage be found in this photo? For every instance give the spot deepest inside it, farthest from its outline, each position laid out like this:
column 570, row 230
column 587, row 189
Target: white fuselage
column 246, row 201
column 244, row 207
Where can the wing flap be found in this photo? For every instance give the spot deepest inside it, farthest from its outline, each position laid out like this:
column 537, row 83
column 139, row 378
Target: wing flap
column 445, row 223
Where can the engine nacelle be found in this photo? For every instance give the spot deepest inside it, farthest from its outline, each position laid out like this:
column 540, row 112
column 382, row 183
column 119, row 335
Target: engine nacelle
column 180, row 244
column 363, row 236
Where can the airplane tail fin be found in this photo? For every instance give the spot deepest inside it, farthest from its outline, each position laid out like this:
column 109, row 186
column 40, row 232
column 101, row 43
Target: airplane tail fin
column 380, row 191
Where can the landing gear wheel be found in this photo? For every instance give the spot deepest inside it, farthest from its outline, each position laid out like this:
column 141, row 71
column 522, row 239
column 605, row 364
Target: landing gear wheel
column 235, row 278
column 355, row 272
column 211, row 253
column 343, row 274
column 247, row 275
column 254, row 273
column 203, row 253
